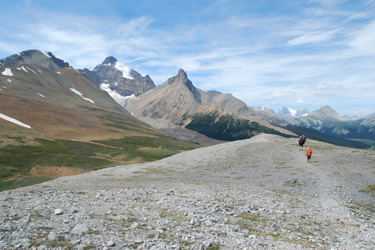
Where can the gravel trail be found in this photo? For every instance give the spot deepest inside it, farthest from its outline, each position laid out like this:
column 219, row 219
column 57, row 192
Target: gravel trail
column 258, row 193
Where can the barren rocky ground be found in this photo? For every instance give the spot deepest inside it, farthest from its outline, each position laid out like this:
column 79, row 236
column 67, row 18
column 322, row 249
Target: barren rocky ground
column 252, row 194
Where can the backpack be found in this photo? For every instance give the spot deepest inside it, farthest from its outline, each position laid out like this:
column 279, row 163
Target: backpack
column 309, row 152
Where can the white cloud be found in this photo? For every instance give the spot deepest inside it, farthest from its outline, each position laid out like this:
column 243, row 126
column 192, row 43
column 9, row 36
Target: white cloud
column 363, row 41
column 135, row 26
column 314, row 37
column 325, row 87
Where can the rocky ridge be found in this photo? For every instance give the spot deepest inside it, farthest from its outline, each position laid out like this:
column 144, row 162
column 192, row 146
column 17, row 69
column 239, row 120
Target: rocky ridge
column 238, row 195
column 35, row 57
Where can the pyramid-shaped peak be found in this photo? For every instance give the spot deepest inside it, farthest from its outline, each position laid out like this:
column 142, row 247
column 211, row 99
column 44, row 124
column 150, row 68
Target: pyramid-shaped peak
column 110, row 60
column 182, row 78
column 327, row 112
column 327, row 109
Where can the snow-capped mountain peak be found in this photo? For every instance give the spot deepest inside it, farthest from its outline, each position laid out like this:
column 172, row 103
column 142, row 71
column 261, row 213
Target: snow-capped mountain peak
column 112, row 76
column 289, row 114
column 264, row 108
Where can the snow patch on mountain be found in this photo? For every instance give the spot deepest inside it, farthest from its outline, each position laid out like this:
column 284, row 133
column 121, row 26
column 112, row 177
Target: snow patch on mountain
column 125, row 70
column 23, row 68
column 81, row 95
column 45, row 53
column 12, row 120
column 292, row 112
column 120, row 99
column 7, row 72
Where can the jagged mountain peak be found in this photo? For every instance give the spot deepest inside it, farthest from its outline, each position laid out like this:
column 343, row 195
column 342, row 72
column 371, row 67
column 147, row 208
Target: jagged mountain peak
column 112, row 64
column 117, row 79
column 289, row 114
column 110, row 60
column 182, row 78
column 182, row 74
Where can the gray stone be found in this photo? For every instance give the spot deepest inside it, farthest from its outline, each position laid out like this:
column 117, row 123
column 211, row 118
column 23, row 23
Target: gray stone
column 111, row 243
column 53, row 236
column 80, row 229
column 58, row 211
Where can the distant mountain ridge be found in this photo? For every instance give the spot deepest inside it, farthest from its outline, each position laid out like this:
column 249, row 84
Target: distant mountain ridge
column 289, row 114
column 319, row 119
column 285, row 113
column 328, row 121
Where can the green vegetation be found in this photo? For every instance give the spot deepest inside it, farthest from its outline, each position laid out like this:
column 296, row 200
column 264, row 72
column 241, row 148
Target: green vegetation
column 369, row 189
column 16, row 161
column 213, row 246
column 227, row 127
column 252, row 222
column 283, row 167
column 240, row 178
column 21, row 182
column 292, row 183
column 250, row 217
column 150, row 148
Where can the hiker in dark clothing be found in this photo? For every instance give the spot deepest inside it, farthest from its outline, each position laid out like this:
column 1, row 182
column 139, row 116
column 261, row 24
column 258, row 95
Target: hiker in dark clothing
column 301, row 142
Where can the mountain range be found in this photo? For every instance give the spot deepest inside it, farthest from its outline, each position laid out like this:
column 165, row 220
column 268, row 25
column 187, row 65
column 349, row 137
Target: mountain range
column 329, row 122
column 285, row 113
column 176, row 106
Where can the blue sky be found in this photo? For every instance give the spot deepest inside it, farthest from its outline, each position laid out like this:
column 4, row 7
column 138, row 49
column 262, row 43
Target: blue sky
column 295, row 53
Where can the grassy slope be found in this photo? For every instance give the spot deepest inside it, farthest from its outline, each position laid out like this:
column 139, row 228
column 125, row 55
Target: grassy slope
column 16, row 161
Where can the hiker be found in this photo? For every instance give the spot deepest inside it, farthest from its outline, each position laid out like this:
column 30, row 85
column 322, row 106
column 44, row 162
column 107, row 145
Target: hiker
column 301, row 142
column 304, row 139
column 308, row 154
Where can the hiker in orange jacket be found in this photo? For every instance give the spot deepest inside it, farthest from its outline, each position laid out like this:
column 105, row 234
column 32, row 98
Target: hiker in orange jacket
column 308, row 154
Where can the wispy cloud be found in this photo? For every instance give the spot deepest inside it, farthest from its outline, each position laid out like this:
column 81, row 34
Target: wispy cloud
column 315, row 37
